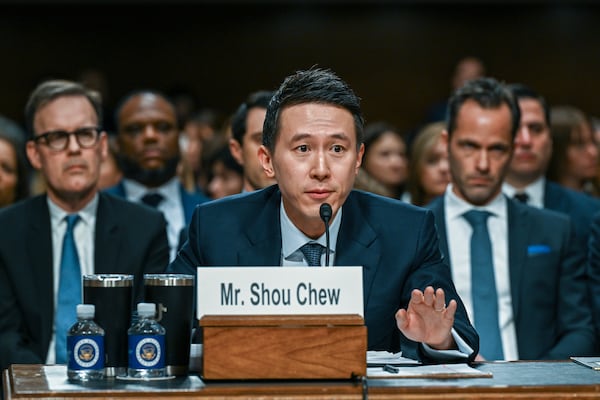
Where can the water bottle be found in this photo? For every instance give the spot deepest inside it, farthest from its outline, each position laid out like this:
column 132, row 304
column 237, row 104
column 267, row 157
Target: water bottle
column 85, row 346
column 146, row 339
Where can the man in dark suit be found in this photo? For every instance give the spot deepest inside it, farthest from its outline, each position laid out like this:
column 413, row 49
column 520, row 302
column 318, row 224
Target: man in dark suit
column 535, row 290
column 110, row 235
column 526, row 173
column 148, row 144
column 312, row 146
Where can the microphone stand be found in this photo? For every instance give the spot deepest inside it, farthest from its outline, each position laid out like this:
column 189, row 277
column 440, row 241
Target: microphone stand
column 325, row 214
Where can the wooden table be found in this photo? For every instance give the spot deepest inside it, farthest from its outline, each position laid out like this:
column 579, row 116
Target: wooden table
column 512, row 380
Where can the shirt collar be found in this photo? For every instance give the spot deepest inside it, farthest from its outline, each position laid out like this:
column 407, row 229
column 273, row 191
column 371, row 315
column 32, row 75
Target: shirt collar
column 456, row 207
column 135, row 190
column 292, row 238
column 535, row 191
column 87, row 213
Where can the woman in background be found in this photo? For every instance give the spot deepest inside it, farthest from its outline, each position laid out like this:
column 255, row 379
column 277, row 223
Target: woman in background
column 574, row 160
column 14, row 168
column 226, row 176
column 384, row 166
column 429, row 170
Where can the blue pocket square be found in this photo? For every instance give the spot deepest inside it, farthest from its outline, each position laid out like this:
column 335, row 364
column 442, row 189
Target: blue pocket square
column 534, row 249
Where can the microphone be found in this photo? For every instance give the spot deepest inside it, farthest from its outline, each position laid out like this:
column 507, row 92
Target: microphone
column 325, row 213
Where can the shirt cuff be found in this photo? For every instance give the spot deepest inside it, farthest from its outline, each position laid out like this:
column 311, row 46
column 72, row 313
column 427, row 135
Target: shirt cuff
column 463, row 352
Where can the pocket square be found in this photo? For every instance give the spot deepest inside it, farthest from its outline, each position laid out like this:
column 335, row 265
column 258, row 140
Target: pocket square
column 534, row 249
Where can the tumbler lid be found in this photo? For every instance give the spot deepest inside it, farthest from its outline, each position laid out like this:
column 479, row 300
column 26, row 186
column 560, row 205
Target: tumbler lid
column 168, row 280
column 108, row 280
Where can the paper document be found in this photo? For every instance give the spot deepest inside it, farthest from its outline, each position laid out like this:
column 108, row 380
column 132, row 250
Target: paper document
column 590, row 362
column 439, row 371
column 381, row 358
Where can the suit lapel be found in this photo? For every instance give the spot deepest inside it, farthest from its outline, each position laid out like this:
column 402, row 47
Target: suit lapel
column 357, row 244
column 264, row 235
column 517, row 241
column 39, row 250
column 437, row 207
column 107, row 244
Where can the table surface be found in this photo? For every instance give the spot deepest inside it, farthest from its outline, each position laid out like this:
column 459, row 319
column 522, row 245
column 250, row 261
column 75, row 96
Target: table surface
column 543, row 380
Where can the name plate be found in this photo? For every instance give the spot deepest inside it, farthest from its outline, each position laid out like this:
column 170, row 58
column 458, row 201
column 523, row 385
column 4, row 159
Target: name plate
column 279, row 291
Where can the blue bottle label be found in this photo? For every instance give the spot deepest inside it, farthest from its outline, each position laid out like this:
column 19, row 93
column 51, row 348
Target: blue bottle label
column 85, row 352
column 146, row 351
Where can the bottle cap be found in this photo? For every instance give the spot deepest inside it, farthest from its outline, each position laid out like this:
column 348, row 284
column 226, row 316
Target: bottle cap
column 86, row 310
column 146, row 309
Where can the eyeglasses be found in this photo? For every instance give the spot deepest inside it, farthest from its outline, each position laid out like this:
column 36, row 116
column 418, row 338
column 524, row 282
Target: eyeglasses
column 59, row 140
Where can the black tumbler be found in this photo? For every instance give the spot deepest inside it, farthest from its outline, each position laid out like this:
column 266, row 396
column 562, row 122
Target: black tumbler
column 174, row 298
column 112, row 296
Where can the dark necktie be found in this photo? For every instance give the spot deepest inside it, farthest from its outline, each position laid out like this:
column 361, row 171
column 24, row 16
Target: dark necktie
column 312, row 252
column 152, row 199
column 483, row 287
column 522, row 197
column 69, row 290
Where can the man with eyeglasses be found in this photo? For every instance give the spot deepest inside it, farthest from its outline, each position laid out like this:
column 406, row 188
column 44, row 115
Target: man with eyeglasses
column 49, row 241
column 148, row 154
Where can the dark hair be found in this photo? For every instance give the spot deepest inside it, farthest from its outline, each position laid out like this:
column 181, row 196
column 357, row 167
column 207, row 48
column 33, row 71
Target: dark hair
column 142, row 92
column 521, row 91
column 315, row 85
column 14, row 135
column 47, row 91
column 489, row 94
column 223, row 154
column 258, row 99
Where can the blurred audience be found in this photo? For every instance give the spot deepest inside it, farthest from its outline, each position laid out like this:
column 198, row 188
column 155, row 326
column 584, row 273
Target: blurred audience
column 226, row 175
column 429, row 172
column 200, row 127
column 574, row 161
column 384, row 161
column 110, row 173
column 14, row 167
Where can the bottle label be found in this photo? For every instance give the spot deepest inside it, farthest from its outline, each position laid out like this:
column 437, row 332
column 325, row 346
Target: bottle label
column 85, row 352
column 146, row 351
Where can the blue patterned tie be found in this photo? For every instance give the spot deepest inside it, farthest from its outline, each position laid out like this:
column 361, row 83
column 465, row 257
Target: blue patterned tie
column 312, row 252
column 69, row 290
column 483, row 287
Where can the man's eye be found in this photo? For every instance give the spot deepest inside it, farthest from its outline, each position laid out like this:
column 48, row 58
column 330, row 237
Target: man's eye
column 302, row 148
column 133, row 129
column 164, row 127
column 337, row 148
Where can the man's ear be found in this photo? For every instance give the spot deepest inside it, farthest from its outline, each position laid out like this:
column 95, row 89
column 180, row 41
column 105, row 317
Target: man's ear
column 33, row 155
column 264, row 155
column 361, row 153
column 235, row 148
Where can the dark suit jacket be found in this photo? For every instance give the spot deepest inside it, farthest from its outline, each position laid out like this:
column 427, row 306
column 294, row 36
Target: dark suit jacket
column 594, row 267
column 130, row 239
column 580, row 207
column 548, row 289
column 395, row 243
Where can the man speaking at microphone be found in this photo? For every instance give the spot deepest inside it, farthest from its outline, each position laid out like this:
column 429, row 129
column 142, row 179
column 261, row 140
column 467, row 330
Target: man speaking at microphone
column 312, row 146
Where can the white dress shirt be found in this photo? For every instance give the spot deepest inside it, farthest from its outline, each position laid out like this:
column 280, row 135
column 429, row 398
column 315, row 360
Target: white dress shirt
column 171, row 207
column 535, row 192
column 84, row 233
column 458, row 233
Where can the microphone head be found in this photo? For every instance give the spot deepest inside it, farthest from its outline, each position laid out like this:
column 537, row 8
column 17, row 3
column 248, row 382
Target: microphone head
column 325, row 212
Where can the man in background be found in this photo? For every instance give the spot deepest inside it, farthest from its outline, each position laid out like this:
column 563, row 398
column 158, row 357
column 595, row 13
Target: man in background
column 49, row 241
column 247, row 131
column 520, row 274
column 148, row 154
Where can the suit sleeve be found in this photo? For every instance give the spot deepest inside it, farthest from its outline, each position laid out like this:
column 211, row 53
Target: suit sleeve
column 13, row 338
column 594, row 269
column 430, row 269
column 157, row 255
column 188, row 257
column 575, row 328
